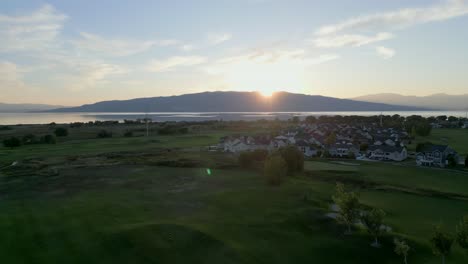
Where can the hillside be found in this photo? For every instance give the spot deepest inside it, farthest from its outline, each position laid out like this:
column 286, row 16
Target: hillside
column 435, row 101
column 235, row 102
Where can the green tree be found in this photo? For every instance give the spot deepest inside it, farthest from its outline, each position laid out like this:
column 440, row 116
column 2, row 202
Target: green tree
column 466, row 161
column 275, row 169
column 61, row 132
column 310, row 119
column 12, row 142
column 104, row 134
column 441, row 243
column 331, row 139
column 29, row 139
column 294, row 159
column 462, row 233
column 348, row 203
column 245, row 160
column 48, row 139
column 373, row 221
column 402, row 249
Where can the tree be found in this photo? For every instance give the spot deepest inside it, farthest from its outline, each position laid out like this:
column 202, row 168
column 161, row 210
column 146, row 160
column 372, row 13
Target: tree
column 12, row 142
column 442, row 118
column 275, row 169
column 48, row 139
column 294, row 159
column 128, row 134
column 331, row 139
column 104, row 134
column 402, row 249
column 61, row 132
column 462, row 233
column 452, row 119
column 466, row 161
column 373, row 222
column 348, row 203
column 364, row 147
column 29, row 139
column 310, row 119
column 441, row 243
column 452, row 161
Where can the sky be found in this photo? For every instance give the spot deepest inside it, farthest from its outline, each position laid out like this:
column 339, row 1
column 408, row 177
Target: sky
column 77, row 52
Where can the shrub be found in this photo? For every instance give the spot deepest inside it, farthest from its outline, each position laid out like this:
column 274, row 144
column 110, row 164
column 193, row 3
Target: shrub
column 12, row 142
column 466, row 161
column 104, row 134
column 421, row 146
column 294, row 159
column 48, row 139
column 29, row 139
column 275, row 169
column 249, row 159
column 61, row 132
column 244, row 160
column 128, row 134
column 363, row 147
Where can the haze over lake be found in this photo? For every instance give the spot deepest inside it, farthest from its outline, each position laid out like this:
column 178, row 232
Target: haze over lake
column 45, row 118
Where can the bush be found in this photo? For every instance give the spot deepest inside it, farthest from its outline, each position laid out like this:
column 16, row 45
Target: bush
column 12, row 142
column 421, row 146
column 104, row 134
column 294, row 159
column 363, row 147
column 48, row 139
column 466, row 161
column 249, row 159
column 61, row 132
column 275, row 169
column 29, row 139
column 128, row 134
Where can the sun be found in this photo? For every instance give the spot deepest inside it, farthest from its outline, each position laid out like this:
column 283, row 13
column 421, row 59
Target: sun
column 265, row 78
column 266, row 92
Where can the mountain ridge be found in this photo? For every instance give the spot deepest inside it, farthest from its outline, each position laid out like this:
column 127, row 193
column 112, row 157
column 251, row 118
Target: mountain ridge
column 440, row 101
column 24, row 108
column 235, row 102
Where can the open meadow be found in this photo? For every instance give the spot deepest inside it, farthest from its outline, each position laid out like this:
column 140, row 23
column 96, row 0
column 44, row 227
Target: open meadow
column 167, row 199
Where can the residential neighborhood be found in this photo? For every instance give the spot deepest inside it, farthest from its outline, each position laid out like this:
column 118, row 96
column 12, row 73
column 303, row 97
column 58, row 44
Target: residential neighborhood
column 363, row 142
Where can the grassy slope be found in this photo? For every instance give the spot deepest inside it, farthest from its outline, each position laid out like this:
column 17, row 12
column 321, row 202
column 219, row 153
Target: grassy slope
column 147, row 214
column 456, row 138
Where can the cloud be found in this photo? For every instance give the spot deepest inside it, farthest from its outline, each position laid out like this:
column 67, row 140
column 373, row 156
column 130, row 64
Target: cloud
column 117, row 47
column 10, row 76
column 385, row 53
column 399, row 19
column 215, row 39
column 355, row 40
column 187, row 47
column 34, row 31
column 175, row 62
column 89, row 75
column 297, row 58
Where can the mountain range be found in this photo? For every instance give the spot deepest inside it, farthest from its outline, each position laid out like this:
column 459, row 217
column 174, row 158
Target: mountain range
column 236, row 102
column 435, row 101
column 22, row 108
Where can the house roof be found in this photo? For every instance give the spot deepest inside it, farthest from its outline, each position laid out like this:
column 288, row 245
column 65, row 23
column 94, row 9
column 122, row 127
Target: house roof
column 432, row 148
column 386, row 148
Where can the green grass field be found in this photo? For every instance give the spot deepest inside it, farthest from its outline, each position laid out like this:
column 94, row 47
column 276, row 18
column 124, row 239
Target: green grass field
column 456, row 138
column 112, row 201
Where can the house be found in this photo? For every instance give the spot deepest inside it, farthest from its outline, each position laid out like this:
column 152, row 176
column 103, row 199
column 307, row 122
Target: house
column 435, row 155
column 306, row 148
column 386, row 152
column 343, row 149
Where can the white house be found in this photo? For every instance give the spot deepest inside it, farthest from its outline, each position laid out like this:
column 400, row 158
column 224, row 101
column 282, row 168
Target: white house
column 385, row 152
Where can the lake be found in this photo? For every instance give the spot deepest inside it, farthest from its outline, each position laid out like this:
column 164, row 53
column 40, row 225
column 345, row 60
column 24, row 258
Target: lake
column 45, row 118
